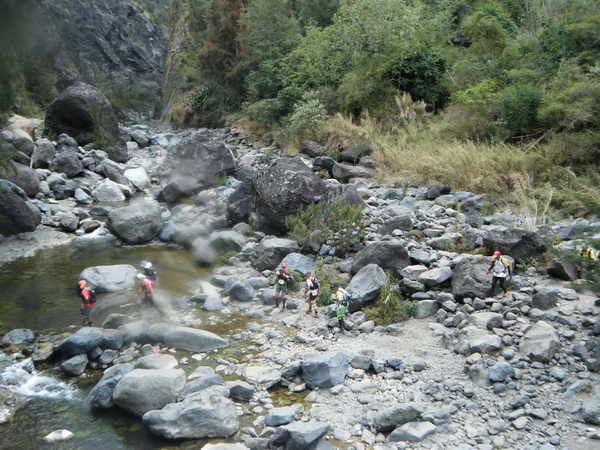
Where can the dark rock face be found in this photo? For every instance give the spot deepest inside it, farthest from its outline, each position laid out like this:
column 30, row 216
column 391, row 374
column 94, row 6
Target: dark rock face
column 109, row 39
column 83, row 112
column 389, row 255
column 280, row 191
column 16, row 216
column 192, row 164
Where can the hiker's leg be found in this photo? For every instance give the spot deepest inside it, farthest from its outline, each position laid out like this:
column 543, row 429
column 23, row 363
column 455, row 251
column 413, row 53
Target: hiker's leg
column 493, row 288
column 502, row 281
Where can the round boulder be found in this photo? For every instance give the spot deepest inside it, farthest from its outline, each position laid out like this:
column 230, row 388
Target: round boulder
column 136, row 224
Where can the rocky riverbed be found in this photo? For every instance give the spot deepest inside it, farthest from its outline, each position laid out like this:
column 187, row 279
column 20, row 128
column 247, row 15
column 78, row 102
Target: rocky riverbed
column 469, row 370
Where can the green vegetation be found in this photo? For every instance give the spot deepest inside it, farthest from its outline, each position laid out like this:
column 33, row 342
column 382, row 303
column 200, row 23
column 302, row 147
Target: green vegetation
column 224, row 258
column 389, row 306
column 487, row 96
column 340, row 224
column 302, row 224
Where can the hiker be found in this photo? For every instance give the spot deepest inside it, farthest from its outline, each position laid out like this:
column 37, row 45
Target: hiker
column 311, row 291
column 88, row 298
column 500, row 269
column 146, row 290
column 281, row 287
column 342, row 299
column 150, row 273
column 584, row 253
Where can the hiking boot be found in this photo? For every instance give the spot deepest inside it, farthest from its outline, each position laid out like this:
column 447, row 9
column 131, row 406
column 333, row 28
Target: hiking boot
column 283, row 304
column 276, row 303
column 307, row 311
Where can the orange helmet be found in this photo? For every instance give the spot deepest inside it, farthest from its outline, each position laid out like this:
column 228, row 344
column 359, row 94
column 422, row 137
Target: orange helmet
column 82, row 284
column 283, row 265
column 496, row 254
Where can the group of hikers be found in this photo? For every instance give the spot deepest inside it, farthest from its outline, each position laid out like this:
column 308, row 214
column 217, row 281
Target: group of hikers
column 147, row 285
column 499, row 267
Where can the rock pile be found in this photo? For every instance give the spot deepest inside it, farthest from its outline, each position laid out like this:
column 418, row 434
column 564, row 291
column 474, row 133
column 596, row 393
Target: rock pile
column 470, row 370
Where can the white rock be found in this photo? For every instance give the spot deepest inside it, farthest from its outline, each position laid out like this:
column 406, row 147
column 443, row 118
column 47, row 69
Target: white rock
column 59, row 435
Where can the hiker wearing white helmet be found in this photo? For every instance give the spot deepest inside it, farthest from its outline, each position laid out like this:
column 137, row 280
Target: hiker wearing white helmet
column 151, row 274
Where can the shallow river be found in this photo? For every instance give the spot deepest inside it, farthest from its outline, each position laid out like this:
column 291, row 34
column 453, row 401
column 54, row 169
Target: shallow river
column 38, row 293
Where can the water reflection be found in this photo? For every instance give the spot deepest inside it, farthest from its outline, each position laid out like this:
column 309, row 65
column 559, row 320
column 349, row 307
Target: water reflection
column 39, row 292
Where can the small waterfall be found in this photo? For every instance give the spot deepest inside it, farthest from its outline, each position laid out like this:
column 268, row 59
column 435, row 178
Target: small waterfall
column 22, row 378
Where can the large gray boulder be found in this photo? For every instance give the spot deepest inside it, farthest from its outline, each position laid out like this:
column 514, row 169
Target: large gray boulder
column 297, row 262
column 204, row 414
column 75, row 366
column 84, row 113
column 270, row 251
column 325, row 370
column 111, row 170
column 280, row 191
column 562, row 269
column 82, row 341
column 394, row 416
column 136, row 224
column 18, row 336
column 141, row 390
column 396, row 217
column 110, row 278
column 299, row 435
column 193, row 340
column 68, row 163
column 138, row 177
column 520, row 244
column 22, row 176
column 365, row 286
column 389, row 255
column 541, row 342
column 226, row 241
column 239, row 289
column 101, row 395
column 469, row 278
column 43, row 154
column 239, row 203
column 475, row 207
column 344, row 172
column 591, row 409
column 16, row 215
column 412, row 432
column 312, row 149
column 193, row 162
column 108, row 191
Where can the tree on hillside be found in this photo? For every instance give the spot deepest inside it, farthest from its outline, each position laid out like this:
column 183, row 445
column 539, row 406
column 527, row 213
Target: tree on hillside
column 221, row 85
column 270, row 31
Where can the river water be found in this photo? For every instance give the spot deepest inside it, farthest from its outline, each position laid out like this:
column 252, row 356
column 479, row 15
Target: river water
column 38, row 293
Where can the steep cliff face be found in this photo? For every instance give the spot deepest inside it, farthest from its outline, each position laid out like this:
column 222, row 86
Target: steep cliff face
column 114, row 45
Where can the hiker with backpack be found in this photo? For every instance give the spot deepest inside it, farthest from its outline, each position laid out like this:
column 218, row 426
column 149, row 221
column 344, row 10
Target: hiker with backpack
column 311, row 291
column 88, row 298
column 342, row 299
column 584, row 253
column 151, row 274
column 146, row 290
column 281, row 287
column 500, row 269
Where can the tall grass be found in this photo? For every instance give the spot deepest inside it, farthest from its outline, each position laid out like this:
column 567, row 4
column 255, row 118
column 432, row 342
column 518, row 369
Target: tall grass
column 527, row 178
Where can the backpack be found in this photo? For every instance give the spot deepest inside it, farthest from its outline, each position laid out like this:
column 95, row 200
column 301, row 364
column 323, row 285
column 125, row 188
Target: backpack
column 92, row 296
column 151, row 273
column 345, row 297
column 314, row 283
